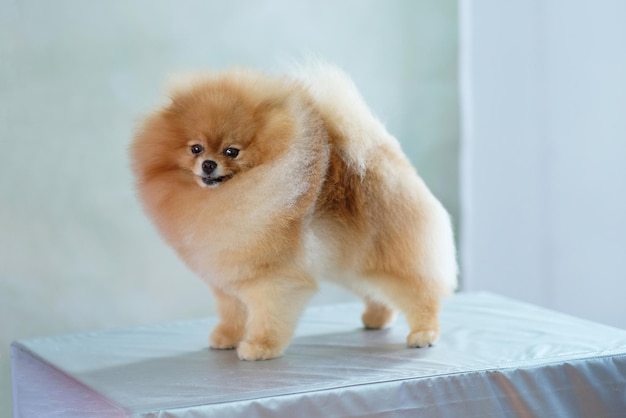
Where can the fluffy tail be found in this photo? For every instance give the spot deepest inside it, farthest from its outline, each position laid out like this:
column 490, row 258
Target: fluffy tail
column 343, row 108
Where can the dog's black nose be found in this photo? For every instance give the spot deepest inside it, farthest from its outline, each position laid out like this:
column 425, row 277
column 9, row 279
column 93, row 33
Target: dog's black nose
column 209, row 166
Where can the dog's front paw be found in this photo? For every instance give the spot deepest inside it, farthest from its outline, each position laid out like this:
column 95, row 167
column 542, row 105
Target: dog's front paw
column 422, row 338
column 224, row 337
column 377, row 316
column 258, row 350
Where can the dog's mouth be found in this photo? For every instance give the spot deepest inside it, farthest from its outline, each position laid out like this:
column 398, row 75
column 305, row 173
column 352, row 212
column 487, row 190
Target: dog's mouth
column 215, row 181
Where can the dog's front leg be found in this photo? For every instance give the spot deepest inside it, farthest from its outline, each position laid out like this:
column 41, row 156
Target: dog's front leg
column 274, row 304
column 229, row 332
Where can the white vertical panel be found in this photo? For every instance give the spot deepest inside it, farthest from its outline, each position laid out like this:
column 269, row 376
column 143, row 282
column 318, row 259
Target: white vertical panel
column 544, row 153
column 586, row 86
column 503, row 227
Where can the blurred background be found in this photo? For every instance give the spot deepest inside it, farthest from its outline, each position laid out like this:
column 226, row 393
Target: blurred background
column 76, row 251
column 513, row 112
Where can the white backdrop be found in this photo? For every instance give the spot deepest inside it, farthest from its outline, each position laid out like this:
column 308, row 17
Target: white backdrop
column 76, row 253
column 544, row 153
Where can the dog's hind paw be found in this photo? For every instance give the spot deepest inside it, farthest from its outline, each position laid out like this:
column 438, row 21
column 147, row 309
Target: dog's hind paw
column 423, row 338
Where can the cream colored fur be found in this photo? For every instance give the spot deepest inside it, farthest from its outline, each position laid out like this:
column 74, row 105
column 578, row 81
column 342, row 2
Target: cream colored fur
column 319, row 190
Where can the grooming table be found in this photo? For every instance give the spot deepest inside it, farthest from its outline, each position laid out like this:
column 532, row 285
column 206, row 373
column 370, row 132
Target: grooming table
column 496, row 358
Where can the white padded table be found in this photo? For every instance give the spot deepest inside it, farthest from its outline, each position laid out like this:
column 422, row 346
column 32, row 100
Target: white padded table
column 496, row 358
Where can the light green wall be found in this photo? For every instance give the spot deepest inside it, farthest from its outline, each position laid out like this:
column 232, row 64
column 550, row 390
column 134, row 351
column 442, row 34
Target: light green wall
column 76, row 253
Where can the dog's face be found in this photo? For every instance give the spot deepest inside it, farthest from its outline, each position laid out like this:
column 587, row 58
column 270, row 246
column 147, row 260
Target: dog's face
column 211, row 168
column 219, row 130
column 215, row 131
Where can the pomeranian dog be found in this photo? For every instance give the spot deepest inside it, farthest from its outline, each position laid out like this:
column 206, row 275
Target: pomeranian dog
column 264, row 184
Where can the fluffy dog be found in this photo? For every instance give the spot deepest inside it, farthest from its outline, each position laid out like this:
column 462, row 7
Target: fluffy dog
column 263, row 184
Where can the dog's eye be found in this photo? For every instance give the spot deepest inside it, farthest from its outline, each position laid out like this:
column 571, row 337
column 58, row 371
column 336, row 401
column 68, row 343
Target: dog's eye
column 231, row 152
column 196, row 149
